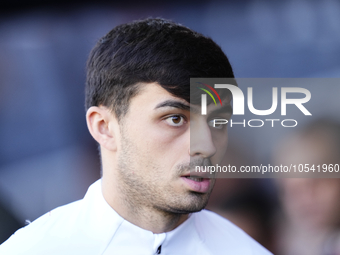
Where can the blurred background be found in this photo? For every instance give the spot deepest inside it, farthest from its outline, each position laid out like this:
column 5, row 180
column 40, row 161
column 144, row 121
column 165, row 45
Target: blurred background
column 47, row 157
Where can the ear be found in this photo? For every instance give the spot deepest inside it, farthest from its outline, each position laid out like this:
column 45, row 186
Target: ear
column 102, row 124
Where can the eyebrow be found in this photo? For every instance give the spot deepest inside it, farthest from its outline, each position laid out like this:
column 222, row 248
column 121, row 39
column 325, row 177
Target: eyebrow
column 179, row 105
column 174, row 104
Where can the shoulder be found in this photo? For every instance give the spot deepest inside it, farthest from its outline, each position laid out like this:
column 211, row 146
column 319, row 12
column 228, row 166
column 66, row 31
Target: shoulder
column 80, row 227
column 220, row 234
column 54, row 225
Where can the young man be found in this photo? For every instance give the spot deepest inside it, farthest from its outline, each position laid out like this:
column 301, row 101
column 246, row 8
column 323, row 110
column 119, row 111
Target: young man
column 138, row 102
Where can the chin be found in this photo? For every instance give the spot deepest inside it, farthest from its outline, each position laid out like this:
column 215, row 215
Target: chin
column 195, row 203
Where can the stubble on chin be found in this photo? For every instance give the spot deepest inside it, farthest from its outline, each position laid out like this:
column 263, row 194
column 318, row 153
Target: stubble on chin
column 139, row 191
column 190, row 201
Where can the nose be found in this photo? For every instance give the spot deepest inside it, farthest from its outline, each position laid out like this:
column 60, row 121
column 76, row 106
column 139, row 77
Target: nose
column 201, row 142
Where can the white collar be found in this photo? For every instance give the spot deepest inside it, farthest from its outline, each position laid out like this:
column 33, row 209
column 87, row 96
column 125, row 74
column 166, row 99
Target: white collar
column 108, row 225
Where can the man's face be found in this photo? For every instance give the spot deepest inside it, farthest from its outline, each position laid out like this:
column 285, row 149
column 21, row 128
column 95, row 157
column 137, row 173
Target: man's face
column 312, row 203
column 154, row 152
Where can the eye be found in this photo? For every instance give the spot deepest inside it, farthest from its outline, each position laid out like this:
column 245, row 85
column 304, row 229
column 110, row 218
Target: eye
column 218, row 125
column 175, row 120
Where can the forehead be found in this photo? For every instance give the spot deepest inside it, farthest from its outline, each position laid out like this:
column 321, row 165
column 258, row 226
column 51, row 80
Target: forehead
column 153, row 96
column 153, row 93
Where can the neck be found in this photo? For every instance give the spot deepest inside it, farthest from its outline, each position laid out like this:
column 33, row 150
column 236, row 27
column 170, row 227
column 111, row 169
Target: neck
column 148, row 218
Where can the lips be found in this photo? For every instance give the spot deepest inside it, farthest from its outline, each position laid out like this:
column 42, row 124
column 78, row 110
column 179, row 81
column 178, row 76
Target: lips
column 194, row 178
column 204, row 175
column 197, row 182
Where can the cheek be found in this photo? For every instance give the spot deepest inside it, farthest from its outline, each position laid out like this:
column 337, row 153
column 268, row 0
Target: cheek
column 160, row 146
column 161, row 137
column 328, row 198
column 170, row 148
column 220, row 141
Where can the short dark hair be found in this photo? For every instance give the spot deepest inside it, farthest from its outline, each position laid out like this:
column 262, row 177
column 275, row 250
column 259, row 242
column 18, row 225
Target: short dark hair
column 150, row 50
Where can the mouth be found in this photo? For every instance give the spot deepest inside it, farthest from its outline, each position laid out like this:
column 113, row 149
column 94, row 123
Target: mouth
column 197, row 176
column 194, row 178
column 197, row 183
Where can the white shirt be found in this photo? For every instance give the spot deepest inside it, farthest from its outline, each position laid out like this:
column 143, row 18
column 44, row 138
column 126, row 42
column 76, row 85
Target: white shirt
column 91, row 227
